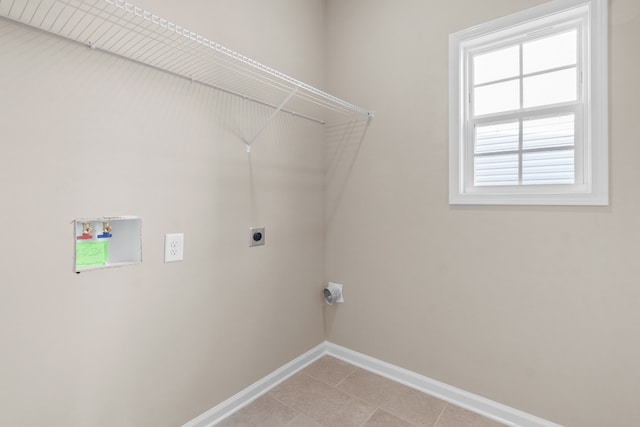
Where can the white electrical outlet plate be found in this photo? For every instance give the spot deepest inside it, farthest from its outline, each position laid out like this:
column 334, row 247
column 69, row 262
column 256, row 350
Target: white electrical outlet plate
column 173, row 247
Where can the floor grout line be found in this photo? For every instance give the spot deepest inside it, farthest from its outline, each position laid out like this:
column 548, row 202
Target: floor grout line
column 296, row 410
column 370, row 416
column 290, row 407
column 376, row 407
column 435, row 424
column 343, row 380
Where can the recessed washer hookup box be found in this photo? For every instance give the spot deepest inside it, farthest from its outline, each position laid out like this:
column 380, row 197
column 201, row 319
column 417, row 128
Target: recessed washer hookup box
column 107, row 242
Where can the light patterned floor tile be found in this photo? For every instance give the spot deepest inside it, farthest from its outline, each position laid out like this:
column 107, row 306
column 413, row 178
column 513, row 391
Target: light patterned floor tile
column 263, row 412
column 329, row 370
column 321, row 402
column 381, row 418
column 454, row 416
column 303, row 421
column 332, row 393
column 397, row 399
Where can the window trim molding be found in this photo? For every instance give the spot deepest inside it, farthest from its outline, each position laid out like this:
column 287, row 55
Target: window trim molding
column 596, row 187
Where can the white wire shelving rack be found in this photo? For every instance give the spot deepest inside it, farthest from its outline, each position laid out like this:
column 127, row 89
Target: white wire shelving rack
column 122, row 29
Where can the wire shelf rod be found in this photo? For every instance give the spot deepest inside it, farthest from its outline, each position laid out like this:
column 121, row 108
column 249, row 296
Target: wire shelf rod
column 231, row 92
column 191, row 52
column 239, row 57
column 122, row 29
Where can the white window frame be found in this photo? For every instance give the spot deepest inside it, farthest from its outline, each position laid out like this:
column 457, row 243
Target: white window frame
column 591, row 139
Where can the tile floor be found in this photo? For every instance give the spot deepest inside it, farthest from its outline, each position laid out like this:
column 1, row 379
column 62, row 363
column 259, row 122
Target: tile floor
column 332, row 393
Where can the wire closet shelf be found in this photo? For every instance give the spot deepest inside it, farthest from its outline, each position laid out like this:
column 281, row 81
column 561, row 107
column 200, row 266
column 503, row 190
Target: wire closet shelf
column 125, row 30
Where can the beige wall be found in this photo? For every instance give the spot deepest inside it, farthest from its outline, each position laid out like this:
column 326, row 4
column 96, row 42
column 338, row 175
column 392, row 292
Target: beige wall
column 535, row 307
column 86, row 134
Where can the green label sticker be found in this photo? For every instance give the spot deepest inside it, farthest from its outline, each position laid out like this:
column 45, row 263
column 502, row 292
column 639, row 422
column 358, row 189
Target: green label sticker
column 91, row 254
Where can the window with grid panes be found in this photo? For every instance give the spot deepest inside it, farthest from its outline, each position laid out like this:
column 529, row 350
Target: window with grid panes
column 528, row 113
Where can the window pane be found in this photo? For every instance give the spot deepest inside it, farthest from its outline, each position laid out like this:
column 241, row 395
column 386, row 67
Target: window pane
column 495, row 138
column 548, row 167
column 550, row 52
column 550, row 88
column 497, row 97
column 498, row 65
column 499, row 169
column 549, row 132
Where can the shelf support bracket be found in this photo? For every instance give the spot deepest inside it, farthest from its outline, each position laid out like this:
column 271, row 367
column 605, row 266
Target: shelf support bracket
column 270, row 119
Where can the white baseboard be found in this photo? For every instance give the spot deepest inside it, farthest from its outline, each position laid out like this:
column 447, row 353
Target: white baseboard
column 456, row 396
column 236, row 402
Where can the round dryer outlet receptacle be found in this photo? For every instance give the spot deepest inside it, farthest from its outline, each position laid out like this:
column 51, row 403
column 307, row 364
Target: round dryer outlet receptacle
column 256, row 236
